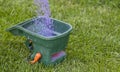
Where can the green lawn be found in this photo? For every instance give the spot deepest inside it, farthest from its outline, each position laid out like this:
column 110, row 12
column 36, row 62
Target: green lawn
column 94, row 44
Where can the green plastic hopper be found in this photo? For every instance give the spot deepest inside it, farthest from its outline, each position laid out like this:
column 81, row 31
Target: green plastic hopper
column 51, row 48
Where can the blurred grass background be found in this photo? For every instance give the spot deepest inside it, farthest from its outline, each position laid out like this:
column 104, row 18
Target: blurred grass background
column 94, row 44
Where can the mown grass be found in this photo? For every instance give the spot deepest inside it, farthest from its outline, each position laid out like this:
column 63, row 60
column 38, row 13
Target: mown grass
column 94, row 44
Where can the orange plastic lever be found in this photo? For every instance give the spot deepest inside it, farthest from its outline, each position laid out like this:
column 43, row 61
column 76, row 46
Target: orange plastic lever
column 36, row 58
